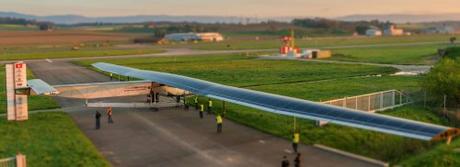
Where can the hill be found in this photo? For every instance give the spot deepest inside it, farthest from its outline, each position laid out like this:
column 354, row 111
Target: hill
column 403, row 18
column 77, row 19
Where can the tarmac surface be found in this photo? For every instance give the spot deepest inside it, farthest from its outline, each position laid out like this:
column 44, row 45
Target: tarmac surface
column 174, row 136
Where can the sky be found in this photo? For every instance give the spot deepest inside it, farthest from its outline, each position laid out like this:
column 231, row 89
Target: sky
column 240, row 8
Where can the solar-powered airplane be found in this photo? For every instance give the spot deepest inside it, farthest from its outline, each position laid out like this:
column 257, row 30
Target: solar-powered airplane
column 178, row 85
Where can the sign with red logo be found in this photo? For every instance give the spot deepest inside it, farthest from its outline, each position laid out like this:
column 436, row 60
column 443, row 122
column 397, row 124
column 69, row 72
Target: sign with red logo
column 16, row 79
column 20, row 75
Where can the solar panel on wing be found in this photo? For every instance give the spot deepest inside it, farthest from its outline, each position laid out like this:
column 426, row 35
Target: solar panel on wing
column 287, row 105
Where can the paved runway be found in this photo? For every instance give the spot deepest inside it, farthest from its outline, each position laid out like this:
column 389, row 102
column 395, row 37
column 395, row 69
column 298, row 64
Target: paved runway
column 175, row 137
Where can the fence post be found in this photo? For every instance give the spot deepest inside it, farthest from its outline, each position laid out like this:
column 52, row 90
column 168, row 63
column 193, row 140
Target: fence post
column 21, row 160
column 393, row 98
column 400, row 98
column 356, row 103
column 445, row 107
column 424, row 99
column 345, row 102
column 381, row 100
column 369, row 103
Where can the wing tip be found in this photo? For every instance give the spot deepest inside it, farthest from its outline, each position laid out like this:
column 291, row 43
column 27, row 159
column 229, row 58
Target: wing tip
column 447, row 135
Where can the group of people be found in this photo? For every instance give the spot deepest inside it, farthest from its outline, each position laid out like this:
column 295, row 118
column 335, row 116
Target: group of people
column 219, row 119
column 295, row 145
column 109, row 113
column 285, row 162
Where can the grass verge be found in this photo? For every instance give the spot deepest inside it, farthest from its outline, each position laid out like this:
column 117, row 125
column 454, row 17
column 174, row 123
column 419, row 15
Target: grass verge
column 48, row 139
column 67, row 53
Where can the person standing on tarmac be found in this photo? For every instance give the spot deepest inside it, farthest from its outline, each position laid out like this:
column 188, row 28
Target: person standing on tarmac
column 209, row 106
column 201, row 111
column 285, row 162
column 157, row 97
column 98, row 120
column 295, row 140
column 196, row 102
column 297, row 160
column 109, row 115
column 219, row 122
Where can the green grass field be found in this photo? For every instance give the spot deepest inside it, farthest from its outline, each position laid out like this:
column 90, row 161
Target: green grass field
column 307, row 80
column 67, row 52
column 14, row 27
column 237, row 43
column 424, row 54
column 339, row 88
column 48, row 139
column 239, row 70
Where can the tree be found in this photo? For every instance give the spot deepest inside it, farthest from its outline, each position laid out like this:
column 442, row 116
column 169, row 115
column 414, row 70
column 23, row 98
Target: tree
column 361, row 29
column 452, row 40
column 444, row 80
column 160, row 33
column 46, row 26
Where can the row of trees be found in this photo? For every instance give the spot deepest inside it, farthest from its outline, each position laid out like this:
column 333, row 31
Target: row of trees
column 443, row 81
column 18, row 21
column 351, row 26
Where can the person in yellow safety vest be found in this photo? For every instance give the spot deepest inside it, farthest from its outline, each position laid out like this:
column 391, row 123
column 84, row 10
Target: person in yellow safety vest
column 111, row 76
column 196, row 102
column 295, row 140
column 219, row 122
column 201, row 111
column 209, row 106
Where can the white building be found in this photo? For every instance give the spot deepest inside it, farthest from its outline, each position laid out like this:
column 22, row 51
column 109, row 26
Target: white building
column 393, row 31
column 182, row 37
column 373, row 32
column 209, row 36
column 439, row 30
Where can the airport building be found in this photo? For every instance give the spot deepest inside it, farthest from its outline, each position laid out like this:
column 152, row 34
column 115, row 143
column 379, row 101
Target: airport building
column 211, row 36
column 208, row 37
column 374, row 32
column 182, row 37
column 439, row 30
column 393, row 31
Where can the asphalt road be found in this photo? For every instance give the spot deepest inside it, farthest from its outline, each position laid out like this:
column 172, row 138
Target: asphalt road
column 175, row 137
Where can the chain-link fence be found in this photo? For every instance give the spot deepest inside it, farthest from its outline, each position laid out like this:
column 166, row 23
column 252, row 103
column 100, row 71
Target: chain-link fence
column 373, row 102
column 445, row 106
column 8, row 162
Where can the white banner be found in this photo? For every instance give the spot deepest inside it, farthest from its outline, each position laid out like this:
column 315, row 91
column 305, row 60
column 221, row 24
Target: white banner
column 10, row 98
column 16, row 81
column 21, row 108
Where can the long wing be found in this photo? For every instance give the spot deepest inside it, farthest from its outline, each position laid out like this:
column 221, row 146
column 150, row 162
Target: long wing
column 290, row 106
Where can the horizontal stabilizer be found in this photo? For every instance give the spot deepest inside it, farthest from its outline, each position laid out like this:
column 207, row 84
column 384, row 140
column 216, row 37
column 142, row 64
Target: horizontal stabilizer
column 40, row 87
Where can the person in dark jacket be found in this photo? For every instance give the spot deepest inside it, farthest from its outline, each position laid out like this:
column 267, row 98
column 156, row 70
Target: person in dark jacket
column 285, row 162
column 297, row 160
column 98, row 120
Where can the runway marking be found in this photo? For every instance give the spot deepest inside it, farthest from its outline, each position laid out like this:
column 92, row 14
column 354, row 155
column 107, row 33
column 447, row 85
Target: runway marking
column 178, row 140
column 49, row 60
column 288, row 151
